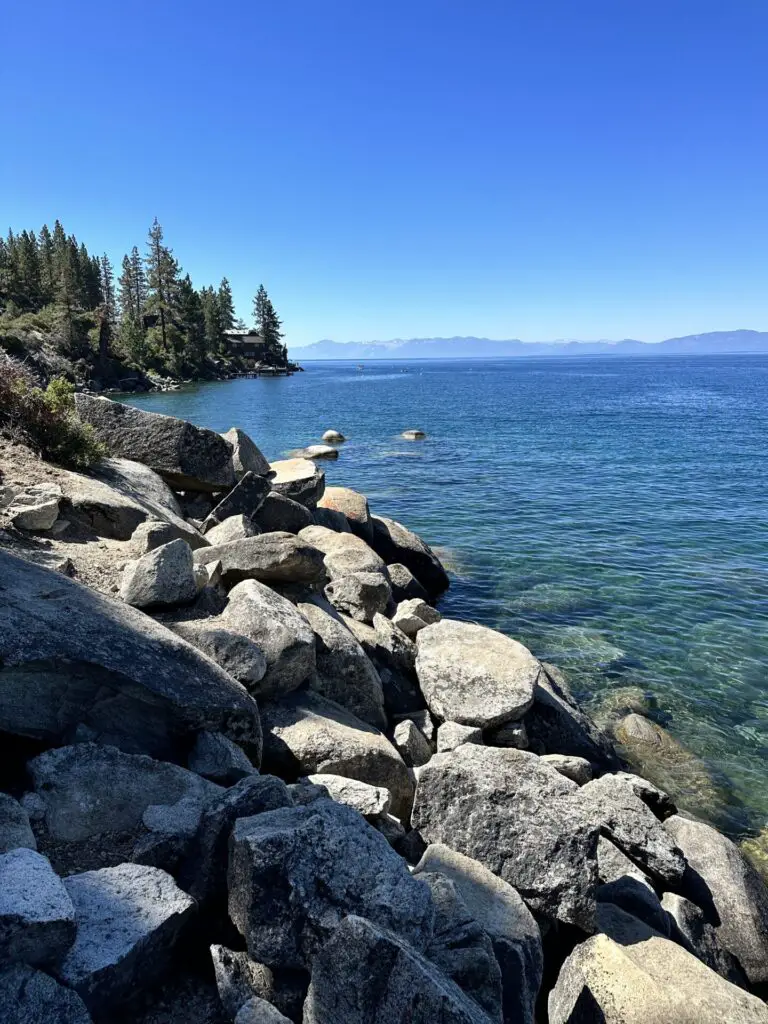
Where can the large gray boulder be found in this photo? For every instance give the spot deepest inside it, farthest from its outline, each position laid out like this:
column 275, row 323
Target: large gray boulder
column 218, row 759
column 728, row 889
column 365, row 974
column 233, row 528
column 395, row 543
column 413, row 615
column 648, row 980
column 235, row 653
column 204, row 869
column 345, row 553
column 474, row 675
column 162, row 577
column 370, row 801
column 306, row 734
column 15, row 830
column 245, row 498
column 187, row 457
column 71, row 657
column 352, row 505
column 557, row 725
column 623, row 817
column 345, row 673
column 330, row 519
column 129, row 918
column 295, row 873
column 405, row 586
column 460, row 947
column 518, row 817
column 504, row 917
column 246, row 457
column 259, row 1011
column 118, row 495
column 280, row 513
column 688, row 925
column 281, row 632
column 37, row 919
column 268, row 557
column 86, row 794
column 360, row 594
column 298, row 479
column 28, row 996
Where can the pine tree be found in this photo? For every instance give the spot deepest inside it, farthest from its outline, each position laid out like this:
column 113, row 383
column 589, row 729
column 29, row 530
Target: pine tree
column 226, row 305
column 191, row 324
column 214, row 326
column 268, row 323
column 28, row 271
column 47, row 265
column 107, row 288
column 163, row 289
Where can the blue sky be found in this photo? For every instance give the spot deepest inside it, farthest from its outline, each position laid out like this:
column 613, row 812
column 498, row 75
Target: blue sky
column 503, row 169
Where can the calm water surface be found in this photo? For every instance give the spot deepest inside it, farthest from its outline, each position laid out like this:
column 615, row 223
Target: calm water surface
column 608, row 513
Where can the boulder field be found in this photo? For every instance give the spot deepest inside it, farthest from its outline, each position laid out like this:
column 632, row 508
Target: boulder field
column 251, row 773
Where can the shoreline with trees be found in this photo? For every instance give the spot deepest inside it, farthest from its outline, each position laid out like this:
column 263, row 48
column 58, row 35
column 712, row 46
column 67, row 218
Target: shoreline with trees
column 65, row 314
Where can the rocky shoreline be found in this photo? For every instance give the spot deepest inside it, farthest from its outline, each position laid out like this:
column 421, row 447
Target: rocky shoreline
column 251, row 774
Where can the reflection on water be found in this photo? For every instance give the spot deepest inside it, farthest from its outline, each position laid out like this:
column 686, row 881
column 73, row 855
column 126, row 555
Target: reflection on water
column 609, row 513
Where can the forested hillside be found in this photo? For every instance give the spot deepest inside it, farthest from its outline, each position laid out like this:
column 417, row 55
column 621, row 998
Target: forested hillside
column 69, row 312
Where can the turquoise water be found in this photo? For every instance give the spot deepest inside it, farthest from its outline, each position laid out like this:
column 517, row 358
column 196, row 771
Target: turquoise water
column 608, row 513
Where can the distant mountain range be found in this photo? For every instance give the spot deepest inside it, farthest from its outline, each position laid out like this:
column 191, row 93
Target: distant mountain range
column 484, row 348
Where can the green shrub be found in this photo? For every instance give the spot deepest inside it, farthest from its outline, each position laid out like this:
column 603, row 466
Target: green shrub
column 45, row 419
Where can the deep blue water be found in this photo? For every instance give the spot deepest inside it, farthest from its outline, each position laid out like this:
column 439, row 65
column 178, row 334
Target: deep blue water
column 609, row 513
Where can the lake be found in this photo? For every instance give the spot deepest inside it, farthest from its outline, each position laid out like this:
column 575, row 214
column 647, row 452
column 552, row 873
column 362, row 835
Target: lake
column 610, row 513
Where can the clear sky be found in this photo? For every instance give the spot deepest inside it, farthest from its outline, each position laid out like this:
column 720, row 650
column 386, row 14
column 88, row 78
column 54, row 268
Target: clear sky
column 537, row 169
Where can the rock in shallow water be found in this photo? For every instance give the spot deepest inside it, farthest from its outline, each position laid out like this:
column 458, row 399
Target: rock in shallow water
column 474, row 675
column 518, row 817
column 395, row 543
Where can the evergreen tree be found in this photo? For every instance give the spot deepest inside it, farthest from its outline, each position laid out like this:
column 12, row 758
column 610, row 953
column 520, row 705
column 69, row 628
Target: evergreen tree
column 268, row 323
column 107, row 288
column 191, row 324
column 28, row 271
column 131, row 297
column 214, row 328
column 47, row 265
column 163, row 290
column 226, row 305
